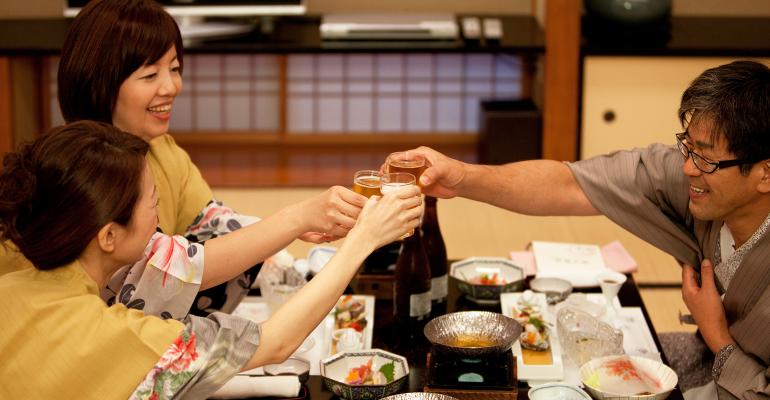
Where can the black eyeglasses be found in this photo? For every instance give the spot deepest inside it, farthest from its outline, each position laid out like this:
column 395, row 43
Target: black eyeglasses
column 703, row 164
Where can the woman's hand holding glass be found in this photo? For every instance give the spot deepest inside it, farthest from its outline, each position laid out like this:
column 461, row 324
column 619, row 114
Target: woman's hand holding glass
column 330, row 215
column 387, row 218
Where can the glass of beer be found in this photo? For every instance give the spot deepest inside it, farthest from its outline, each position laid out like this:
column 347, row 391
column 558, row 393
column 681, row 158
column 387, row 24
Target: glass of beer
column 405, row 161
column 367, row 182
column 395, row 181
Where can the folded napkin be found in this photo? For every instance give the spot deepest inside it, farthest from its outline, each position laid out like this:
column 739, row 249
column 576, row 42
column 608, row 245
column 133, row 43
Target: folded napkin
column 242, row 386
column 616, row 258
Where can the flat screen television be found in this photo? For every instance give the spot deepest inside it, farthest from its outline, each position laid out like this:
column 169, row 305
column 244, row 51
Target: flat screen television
column 190, row 14
column 214, row 8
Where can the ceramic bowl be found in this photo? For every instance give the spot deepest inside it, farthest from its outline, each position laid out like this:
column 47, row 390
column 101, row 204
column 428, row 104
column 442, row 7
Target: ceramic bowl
column 557, row 391
column 468, row 271
column 472, row 333
column 419, row 396
column 292, row 366
column 555, row 289
column 335, row 369
column 657, row 371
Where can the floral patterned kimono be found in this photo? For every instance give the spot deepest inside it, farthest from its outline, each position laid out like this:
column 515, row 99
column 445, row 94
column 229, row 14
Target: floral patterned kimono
column 166, row 281
column 65, row 342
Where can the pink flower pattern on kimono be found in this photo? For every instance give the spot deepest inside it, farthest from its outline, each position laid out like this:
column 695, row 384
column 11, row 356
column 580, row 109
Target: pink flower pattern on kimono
column 172, row 372
column 170, row 256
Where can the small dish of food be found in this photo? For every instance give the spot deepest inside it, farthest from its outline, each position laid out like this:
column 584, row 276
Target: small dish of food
column 352, row 317
column 483, row 279
column 419, row 396
column 556, row 390
column 292, row 366
column 628, row 377
column 472, row 334
column 365, row 374
column 538, row 351
column 555, row 289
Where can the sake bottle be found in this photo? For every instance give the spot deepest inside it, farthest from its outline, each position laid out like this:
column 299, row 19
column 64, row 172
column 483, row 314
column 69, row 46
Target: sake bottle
column 411, row 284
column 437, row 258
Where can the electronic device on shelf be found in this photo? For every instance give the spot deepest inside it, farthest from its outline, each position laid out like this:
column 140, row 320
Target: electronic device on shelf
column 191, row 15
column 389, row 27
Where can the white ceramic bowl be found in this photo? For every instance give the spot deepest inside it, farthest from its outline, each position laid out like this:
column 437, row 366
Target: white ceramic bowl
column 555, row 289
column 654, row 369
column 465, row 272
column 335, row 368
column 292, row 366
column 557, row 391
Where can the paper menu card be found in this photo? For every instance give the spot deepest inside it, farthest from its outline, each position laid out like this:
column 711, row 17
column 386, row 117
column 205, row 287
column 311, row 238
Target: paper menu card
column 577, row 263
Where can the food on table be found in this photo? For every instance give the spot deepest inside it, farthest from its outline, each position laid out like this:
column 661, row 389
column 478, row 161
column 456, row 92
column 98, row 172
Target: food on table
column 349, row 313
column 471, row 341
column 621, row 375
column 535, row 335
column 364, row 375
column 488, row 279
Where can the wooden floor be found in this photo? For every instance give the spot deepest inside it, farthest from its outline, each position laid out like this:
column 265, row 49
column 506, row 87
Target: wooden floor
column 475, row 229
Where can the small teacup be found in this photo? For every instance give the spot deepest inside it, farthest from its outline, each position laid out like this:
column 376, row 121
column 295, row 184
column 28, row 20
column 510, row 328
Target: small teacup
column 346, row 339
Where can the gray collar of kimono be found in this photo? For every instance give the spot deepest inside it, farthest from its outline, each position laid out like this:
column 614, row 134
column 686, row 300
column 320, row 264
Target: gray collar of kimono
column 725, row 269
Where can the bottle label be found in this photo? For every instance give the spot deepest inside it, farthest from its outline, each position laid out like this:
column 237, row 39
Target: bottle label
column 419, row 305
column 438, row 287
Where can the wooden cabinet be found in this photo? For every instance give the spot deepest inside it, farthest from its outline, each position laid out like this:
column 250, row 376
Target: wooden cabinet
column 633, row 101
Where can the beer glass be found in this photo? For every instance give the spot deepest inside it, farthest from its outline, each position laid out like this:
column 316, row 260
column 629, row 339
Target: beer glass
column 367, row 183
column 405, row 161
column 395, row 181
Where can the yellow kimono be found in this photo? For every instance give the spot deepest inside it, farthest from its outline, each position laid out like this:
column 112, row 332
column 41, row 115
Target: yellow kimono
column 59, row 340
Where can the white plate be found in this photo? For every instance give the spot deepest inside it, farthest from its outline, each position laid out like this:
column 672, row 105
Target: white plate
column 255, row 309
column 526, row 372
column 368, row 330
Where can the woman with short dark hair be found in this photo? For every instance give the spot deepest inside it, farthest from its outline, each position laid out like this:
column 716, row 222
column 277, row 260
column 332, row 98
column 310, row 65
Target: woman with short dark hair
column 80, row 203
column 122, row 63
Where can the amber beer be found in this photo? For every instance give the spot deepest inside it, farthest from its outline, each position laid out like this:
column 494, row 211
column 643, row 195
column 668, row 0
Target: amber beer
column 403, row 161
column 367, row 183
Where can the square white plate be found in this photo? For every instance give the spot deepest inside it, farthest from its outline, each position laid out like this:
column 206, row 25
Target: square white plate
column 526, row 372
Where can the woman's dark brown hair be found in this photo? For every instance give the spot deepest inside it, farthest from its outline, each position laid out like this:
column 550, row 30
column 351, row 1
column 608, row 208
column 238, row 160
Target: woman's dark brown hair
column 58, row 191
column 107, row 42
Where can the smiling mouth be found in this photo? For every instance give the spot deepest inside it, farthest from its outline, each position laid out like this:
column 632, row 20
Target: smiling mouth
column 698, row 190
column 160, row 109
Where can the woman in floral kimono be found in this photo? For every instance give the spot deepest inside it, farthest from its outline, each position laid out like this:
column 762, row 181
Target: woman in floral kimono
column 122, row 63
column 80, row 203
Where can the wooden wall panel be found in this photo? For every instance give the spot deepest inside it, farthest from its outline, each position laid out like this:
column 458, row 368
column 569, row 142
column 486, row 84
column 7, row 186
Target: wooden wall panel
column 561, row 79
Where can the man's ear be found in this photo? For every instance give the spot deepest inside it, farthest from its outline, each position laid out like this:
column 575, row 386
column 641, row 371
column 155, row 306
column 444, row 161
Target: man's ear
column 764, row 183
column 107, row 237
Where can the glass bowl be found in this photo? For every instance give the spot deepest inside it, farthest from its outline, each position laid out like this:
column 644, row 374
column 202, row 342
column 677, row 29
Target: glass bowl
column 584, row 337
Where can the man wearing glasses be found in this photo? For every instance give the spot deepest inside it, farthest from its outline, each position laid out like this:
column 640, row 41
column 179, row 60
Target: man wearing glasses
column 706, row 201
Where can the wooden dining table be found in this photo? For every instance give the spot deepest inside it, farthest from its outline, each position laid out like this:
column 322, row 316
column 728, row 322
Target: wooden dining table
column 391, row 337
